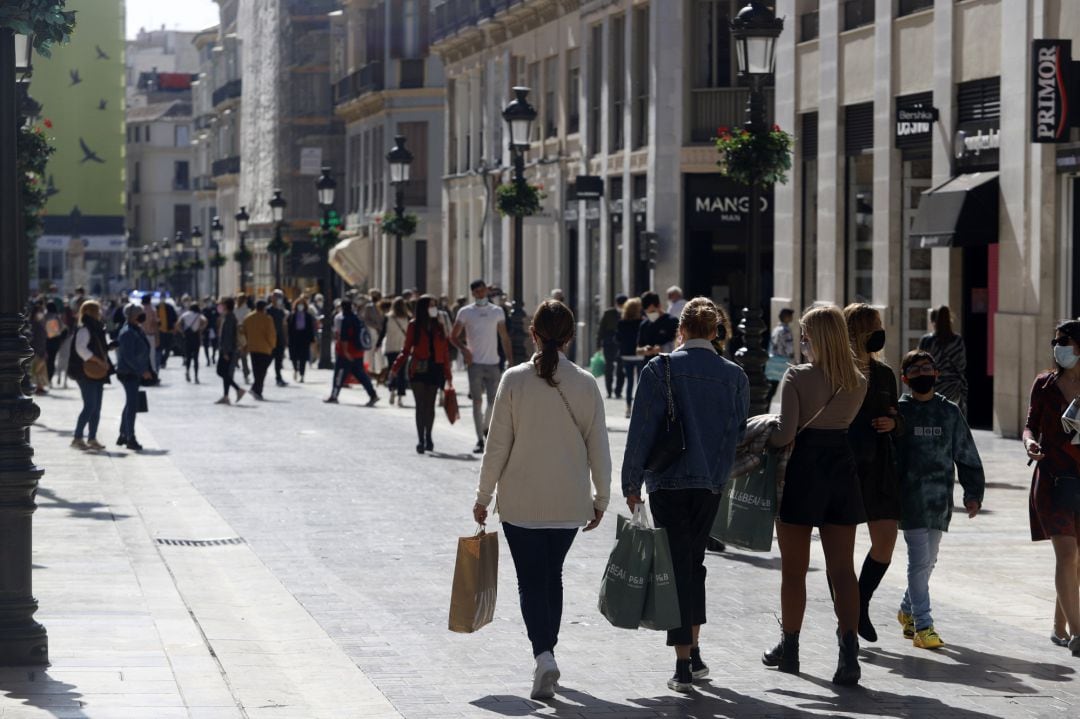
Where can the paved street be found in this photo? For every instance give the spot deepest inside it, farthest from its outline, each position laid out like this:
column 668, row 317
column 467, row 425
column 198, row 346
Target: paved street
column 332, row 598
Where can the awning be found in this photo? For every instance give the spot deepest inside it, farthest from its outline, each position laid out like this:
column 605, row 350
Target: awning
column 962, row 212
column 351, row 258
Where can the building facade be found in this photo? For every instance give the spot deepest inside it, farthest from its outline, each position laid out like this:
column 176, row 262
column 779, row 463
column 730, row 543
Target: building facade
column 916, row 182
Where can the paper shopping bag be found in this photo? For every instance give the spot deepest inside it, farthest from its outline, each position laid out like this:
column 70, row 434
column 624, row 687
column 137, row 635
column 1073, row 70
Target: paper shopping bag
column 661, row 609
column 476, row 582
column 747, row 512
column 450, row 405
column 622, row 590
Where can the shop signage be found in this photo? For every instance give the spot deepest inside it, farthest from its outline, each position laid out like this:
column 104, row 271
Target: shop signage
column 305, row 259
column 914, row 124
column 976, row 142
column 1068, row 160
column 1053, row 85
column 713, row 201
column 589, row 187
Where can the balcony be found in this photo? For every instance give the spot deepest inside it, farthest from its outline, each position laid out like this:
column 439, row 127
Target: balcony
column 226, row 166
column 227, row 91
column 453, row 15
column 714, row 107
column 412, row 73
column 204, row 183
column 370, row 78
column 311, row 8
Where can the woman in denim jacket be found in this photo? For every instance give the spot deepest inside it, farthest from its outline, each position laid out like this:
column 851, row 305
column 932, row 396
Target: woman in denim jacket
column 712, row 400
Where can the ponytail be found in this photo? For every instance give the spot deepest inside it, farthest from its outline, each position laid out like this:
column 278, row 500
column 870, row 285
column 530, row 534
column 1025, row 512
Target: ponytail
column 553, row 324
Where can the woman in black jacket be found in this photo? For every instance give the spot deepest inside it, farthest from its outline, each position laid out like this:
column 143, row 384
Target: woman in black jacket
column 626, row 335
column 90, row 348
column 301, row 334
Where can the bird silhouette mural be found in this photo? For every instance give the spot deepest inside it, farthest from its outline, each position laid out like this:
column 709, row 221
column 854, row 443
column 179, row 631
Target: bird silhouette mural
column 101, row 54
column 50, row 188
column 75, row 79
column 88, row 154
column 102, row 103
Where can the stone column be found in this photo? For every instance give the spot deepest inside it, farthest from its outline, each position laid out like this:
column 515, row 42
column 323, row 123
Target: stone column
column 945, row 268
column 787, row 220
column 830, row 249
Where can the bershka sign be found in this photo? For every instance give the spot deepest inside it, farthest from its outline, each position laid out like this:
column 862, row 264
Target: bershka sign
column 914, row 124
column 1052, row 80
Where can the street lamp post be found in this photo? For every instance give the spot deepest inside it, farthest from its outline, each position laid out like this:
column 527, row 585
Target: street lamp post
column 400, row 159
column 144, row 253
column 155, row 255
column 755, row 30
column 242, row 219
column 519, row 116
column 179, row 249
column 22, row 640
column 196, row 244
column 217, row 233
column 166, row 253
column 325, row 187
column 277, row 246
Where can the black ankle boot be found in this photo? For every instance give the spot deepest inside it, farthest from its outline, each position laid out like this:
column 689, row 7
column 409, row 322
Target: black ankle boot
column 785, row 655
column 847, row 667
column 869, row 579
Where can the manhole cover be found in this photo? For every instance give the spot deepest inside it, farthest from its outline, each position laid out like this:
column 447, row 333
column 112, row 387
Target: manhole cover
column 200, row 542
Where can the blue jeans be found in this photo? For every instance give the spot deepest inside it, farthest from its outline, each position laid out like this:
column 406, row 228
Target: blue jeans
column 131, row 406
column 355, row 367
column 538, row 558
column 922, row 551
column 631, row 369
column 91, row 412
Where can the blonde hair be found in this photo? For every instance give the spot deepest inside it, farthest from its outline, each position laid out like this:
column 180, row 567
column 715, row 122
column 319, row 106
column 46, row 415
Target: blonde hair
column 90, row 305
column 702, row 318
column 632, row 309
column 832, row 348
column 862, row 320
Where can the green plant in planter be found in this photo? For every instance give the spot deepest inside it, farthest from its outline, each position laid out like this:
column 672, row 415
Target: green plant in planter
column 325, row 239
column 46, row 20
column 748, row 158
column 218, row 261
column 391, row 224
column 242, row 256
column 196, row 264
column 278, row 246
column 33, row 153
column 519, row 199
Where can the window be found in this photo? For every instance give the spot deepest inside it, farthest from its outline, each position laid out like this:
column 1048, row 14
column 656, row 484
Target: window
column 859, row 201
column 416, row 140
column 907, row 7
column 534, row 86
column 711, row 43
column 181, row 219
column 809, row 202
column 641, row 77
column 412, row 28
column 551, row 94
column 573, row 91
column 135, row 184
column 809, row 26
column 858, row 13
column 181, row 175
column 596, row 61
column 182, row 136
column 978, row 100
column 354, row 174
column 617, row 81
column 147, row 134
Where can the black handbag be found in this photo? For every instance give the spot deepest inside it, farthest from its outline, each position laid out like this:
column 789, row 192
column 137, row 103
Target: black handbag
column 142, row 406
column 1066, row 493
column 671, row 442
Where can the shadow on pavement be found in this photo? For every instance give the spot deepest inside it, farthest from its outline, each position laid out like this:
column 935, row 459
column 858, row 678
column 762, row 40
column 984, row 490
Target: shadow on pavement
column 37, row 689
column 1007, row 485
column 754, row 560
column 153, row 452
column 78, row 510
column 458, row 457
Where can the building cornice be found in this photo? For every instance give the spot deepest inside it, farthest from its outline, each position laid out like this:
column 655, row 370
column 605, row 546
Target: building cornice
column 373, row 103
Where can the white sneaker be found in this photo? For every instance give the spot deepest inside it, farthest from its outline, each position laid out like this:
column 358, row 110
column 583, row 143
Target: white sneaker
column 545, row 676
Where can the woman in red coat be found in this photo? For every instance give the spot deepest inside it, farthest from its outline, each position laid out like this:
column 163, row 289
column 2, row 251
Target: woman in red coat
column 427, row 352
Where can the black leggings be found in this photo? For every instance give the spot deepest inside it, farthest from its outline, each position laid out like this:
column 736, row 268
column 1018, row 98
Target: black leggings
column 425, row 395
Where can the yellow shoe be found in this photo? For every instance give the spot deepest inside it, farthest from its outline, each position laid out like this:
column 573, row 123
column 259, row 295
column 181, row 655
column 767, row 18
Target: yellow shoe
column 927, row 639
column 908, row 623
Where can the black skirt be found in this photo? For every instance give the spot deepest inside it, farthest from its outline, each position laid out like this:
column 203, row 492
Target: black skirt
column 822, row 485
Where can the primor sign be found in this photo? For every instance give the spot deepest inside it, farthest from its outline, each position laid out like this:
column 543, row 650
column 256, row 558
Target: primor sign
column 1053, row 79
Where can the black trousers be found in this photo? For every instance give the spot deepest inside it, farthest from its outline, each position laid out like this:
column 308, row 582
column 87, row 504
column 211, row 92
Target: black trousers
column 538, row 559
column 279, row 362
column 425, row 395
column 687, row 515
column 613, row 373
column 260, row 363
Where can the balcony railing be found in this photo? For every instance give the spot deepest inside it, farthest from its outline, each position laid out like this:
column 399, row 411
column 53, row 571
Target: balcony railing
column 711, row 108
column 412, row 73
column 311, row 7
column 204, row 183
column 369, row 78
column 227, row 91
column 453, row 15
column 226, row 166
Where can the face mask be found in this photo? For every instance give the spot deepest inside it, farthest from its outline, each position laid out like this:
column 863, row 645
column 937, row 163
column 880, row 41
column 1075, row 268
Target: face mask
column 876, row 341
column 1065, row 356
column 433, row 312
column 653, row 316
column 481, row 301
column 922, row 384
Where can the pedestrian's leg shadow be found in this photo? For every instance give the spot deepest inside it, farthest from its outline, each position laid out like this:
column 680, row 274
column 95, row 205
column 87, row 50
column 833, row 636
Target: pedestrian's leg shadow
column 77, row 510
column 35, row 688
column 47, row 428
column 993, row 672
column 761, row 561
column 458, row 457
column 152, row 452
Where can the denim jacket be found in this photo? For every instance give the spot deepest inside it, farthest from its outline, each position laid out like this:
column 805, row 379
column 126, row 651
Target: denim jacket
column 712, row 400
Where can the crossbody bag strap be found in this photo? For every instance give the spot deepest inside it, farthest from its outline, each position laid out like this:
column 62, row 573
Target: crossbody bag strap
column 573, row 419
column 667, row 382
column 818, row 413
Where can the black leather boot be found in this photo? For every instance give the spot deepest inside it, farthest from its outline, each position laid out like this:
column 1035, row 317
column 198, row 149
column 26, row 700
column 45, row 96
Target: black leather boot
column 869, row 579
column 847, row 668
column 785, row 655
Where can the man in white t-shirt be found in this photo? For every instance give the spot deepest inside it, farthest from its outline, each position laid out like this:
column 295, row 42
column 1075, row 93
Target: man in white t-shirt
column 676, row 301
column 484, row 325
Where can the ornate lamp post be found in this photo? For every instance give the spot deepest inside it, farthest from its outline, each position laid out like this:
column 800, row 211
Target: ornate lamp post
column 325, row 187
column 155, row 256
column 217, row 233
column 144, row 255
column 242, row 219
column 196, row 264
column 166, row 266
column 519, row 116
column 22, row 640
column 754, row 31
column 400, row 159
column 179, row 249
column 277, row 246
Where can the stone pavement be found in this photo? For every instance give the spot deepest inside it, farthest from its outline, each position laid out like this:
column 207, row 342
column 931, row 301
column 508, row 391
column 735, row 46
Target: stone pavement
column 335, row 603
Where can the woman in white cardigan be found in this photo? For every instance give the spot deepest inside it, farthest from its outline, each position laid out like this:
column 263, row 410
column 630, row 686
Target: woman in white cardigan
column 548, row 434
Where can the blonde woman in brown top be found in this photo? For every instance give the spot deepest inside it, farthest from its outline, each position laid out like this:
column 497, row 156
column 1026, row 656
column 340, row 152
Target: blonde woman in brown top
column 818, row 402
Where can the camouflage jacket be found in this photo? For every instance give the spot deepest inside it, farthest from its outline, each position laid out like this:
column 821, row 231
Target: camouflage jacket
column 937, row 438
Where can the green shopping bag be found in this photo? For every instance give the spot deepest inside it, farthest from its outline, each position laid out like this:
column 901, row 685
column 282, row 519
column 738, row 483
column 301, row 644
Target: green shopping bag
column 748, row 509
column 661, row 597
column 626, row 577
column 597, row 364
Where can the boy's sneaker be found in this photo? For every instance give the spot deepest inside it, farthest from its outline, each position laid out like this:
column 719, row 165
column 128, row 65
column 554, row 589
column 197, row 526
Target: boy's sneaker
column 698, row 668
column 683, row 679
column 1059, row 640
column 545, row 676
column 908, row 623
column 1074, row 645
column 94, row 445
column 78, row 443
column 928, row 639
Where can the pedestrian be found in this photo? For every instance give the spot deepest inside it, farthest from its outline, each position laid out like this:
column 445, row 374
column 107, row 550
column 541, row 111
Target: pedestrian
column 55, row 334
column 1047, row 443
column 937, row 441
column 116, row 319
column 373, row 318
column 484, row 325
column 425, row 359
column 396, row 325
column 191, row 326
column 872, row 434
column 229, row 343
column 211, row 340
column 39, row 344
column 167, row 317
column 277, row 312
column 261, row 342
column 151, row 327
column 90, row 350
column 626, row 335
column 657, row 331
column 781, row 351
column 711, row 397
column 676, row 301
column 607, row 341
column 133, row 364
column 244, row 307
column 818, row 402
column 950, row 357
column 558, row 295
column 349, row 350
column 300, row 329
column 548, row 439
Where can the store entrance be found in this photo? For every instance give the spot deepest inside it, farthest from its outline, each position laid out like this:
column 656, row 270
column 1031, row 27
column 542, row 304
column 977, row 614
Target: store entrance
column 975, row 328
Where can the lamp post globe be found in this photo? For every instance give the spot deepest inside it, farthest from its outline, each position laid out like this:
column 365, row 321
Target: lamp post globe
column 166, row 248
column 277, row 206
column 217, row 230
column 755, row 30
column 400, row 159
column 519, row 115
column 325, row 187
column 242, row 219
column 178, row 243
column 24, row 55
column 196, row 237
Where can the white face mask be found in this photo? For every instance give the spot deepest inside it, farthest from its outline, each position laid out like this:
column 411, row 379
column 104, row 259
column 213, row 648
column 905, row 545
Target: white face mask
column 433, row 312
column 653, row 316
column 1065, row 356
column 481, row 301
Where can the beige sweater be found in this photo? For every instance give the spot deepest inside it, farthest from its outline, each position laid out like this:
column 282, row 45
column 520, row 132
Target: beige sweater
column 537, row 457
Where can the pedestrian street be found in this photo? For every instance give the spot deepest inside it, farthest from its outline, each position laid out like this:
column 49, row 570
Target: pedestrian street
column 293, row 559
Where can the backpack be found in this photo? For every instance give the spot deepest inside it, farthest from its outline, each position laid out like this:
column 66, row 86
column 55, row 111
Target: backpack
column 356, row 334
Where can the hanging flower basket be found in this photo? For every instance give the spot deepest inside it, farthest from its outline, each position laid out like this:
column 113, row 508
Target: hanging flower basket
column 325, row 238
column 747, row 158
column 277, row 246
column 391, row 224
column 242, row 256
column 196, row 264
column 218, row 261
column 519, row 199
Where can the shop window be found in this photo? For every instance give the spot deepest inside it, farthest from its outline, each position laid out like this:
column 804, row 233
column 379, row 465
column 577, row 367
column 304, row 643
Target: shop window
column 573, row 91
column 711, row 43
column 915, row 271
column 808, row 26
column 641, row 77
column 596, row 61
column 617, row 81
column 859, row 228
column 551, row 103
column 978, row 100
column 857, row 13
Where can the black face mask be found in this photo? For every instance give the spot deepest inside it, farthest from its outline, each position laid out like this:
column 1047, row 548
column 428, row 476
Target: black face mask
column 876, row 341
column 922, row 384
column 140, row 318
